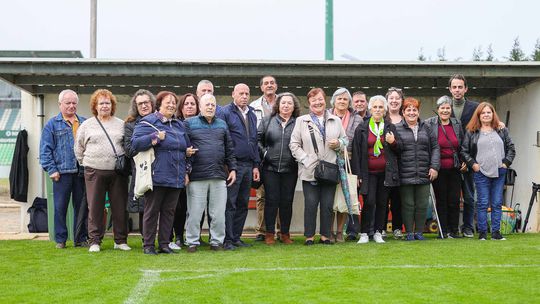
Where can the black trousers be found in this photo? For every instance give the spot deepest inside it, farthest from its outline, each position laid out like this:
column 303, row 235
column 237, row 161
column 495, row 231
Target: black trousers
column 395, row 206
column 179, row 224
column 160, row 204
column 375, row 202
column 447, row 189
column 313, row 195
column 279, row 188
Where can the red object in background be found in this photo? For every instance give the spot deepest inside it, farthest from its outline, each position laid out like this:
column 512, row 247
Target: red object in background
column 252, row 199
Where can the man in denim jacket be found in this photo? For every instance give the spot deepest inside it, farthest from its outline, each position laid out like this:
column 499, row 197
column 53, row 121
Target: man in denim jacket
column 56, row 156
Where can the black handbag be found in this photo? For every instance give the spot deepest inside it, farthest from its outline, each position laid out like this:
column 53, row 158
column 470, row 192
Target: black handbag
column 325, row 172
column 121, row 165
column 260, row 182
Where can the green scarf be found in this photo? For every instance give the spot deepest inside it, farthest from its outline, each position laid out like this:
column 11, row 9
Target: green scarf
column 377, row 130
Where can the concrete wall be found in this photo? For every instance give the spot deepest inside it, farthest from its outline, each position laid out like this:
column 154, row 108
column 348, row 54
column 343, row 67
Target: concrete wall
column 524, row 106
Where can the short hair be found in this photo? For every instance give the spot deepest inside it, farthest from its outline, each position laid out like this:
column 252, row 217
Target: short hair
column 261, row 81
column 359, row 93
column 338, row 92
column 475, row 124
column 444, row 99
column 204, row 81
column 133, row 111
column 64, row 92
column 314, row 92
column 161, row 95
column 205, row 97
column 409, row 101
column 181, row 102
column 102, row 93
column 458, row 77
column 397, row 90
column 376, row 98
column 296, row 103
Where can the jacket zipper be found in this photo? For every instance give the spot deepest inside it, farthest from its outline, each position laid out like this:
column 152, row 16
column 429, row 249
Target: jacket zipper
column 281, row 150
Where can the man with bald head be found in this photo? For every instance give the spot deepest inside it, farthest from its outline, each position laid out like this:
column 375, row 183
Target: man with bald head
column 242, row 124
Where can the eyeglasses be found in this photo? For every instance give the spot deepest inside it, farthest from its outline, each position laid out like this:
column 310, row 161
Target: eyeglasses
column 143, row 103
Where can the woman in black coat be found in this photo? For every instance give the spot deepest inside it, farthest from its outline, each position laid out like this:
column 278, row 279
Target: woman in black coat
column 279, row 166
column 376, row 166
column 419, row 162
column 142, row 103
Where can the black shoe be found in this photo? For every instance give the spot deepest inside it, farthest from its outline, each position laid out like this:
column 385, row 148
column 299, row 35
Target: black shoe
column 150, row 250
column 309, row 242
column 326, row 242
column 350, row 237
column 482, row 236
column 468, row 233
column 192, row 248
column 497, row 236
column 229, row 246
column 454, row 235
column 259, row 238
column 81, row 244
column 241, row 243
column 216, row 247
column 165, row 250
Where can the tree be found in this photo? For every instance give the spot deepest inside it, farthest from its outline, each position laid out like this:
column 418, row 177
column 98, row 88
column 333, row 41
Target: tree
column 421, row 56
column 489, row 56
column 535, row 56
column 441, row 53
column 516, row 54
column 477, row 53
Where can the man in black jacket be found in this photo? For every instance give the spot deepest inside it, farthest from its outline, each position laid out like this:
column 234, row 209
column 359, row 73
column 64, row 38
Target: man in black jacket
column 463, row 109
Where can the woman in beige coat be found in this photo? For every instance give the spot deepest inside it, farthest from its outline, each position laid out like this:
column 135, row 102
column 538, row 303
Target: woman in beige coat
column 330, row 138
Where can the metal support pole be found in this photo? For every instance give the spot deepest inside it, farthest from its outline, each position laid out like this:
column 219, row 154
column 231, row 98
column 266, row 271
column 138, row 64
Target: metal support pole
column 93, row 28
column 329, row 33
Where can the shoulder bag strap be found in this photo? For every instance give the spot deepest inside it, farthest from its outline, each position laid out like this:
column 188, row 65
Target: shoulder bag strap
column 110, row 141
column 313, row 140
column 151, row 125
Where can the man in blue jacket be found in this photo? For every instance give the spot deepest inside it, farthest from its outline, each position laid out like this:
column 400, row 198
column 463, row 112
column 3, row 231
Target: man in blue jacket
column 208, row 179
column 242, row 124
column 56, row 156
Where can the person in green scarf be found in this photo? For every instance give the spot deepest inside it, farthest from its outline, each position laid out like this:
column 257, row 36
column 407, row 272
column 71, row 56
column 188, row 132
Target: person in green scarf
column 375, row 164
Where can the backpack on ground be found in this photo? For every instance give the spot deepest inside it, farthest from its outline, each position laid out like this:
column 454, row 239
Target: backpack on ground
column 38, row 216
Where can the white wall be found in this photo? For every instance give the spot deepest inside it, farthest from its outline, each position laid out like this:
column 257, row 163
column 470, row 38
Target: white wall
column 524, row 107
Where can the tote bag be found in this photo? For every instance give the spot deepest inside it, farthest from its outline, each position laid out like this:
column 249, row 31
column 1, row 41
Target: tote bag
column 340, row 204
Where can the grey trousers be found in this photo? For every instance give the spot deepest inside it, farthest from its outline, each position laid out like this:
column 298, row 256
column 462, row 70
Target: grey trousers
column 213, row 191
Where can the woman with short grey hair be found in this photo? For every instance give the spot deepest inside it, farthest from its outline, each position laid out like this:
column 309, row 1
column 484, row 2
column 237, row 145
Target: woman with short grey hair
column 341, row 102
column 449, row 135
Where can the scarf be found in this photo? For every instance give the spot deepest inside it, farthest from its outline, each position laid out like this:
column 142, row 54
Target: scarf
column 377, row 130
column 345, row 119
column 322, row 128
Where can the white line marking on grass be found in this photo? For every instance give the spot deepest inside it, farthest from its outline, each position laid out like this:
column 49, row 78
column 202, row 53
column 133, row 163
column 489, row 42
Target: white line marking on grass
column 152, row 276
column 143, row 287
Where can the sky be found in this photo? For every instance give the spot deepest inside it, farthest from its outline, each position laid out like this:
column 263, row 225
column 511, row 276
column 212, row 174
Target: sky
column 271, row 30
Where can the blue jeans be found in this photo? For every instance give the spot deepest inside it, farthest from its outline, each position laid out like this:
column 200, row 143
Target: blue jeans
column 467, row 187
column 489, row 191
column 237, row 202
column 70, row 185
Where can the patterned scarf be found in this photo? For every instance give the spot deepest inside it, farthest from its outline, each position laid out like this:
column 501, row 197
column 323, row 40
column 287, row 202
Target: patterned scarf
column 377, row 130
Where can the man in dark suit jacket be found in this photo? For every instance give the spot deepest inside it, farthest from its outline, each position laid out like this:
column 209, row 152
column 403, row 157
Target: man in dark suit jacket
column 463, row 109
column 242, row 124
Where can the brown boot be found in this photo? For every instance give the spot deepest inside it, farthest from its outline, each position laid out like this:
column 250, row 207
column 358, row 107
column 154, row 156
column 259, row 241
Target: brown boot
column 269, row 238
column 286, row 238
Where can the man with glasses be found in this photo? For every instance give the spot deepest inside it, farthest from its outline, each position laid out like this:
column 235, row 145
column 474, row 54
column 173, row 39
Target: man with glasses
column 262, row 107
column 463, row 109
column 57, row 157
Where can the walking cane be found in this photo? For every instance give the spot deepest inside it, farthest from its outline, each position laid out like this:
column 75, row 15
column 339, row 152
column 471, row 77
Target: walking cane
column 432, row 193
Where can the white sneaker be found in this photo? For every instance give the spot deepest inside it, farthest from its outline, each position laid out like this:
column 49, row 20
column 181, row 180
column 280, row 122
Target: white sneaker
column 123, row 247
column 94, row 248
column 364, row 238
column 174, row 246
column 383, row 233
column 377, row 237
column 398, row 234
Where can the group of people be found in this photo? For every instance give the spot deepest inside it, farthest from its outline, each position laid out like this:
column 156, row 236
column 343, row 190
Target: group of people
column 205, row 158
